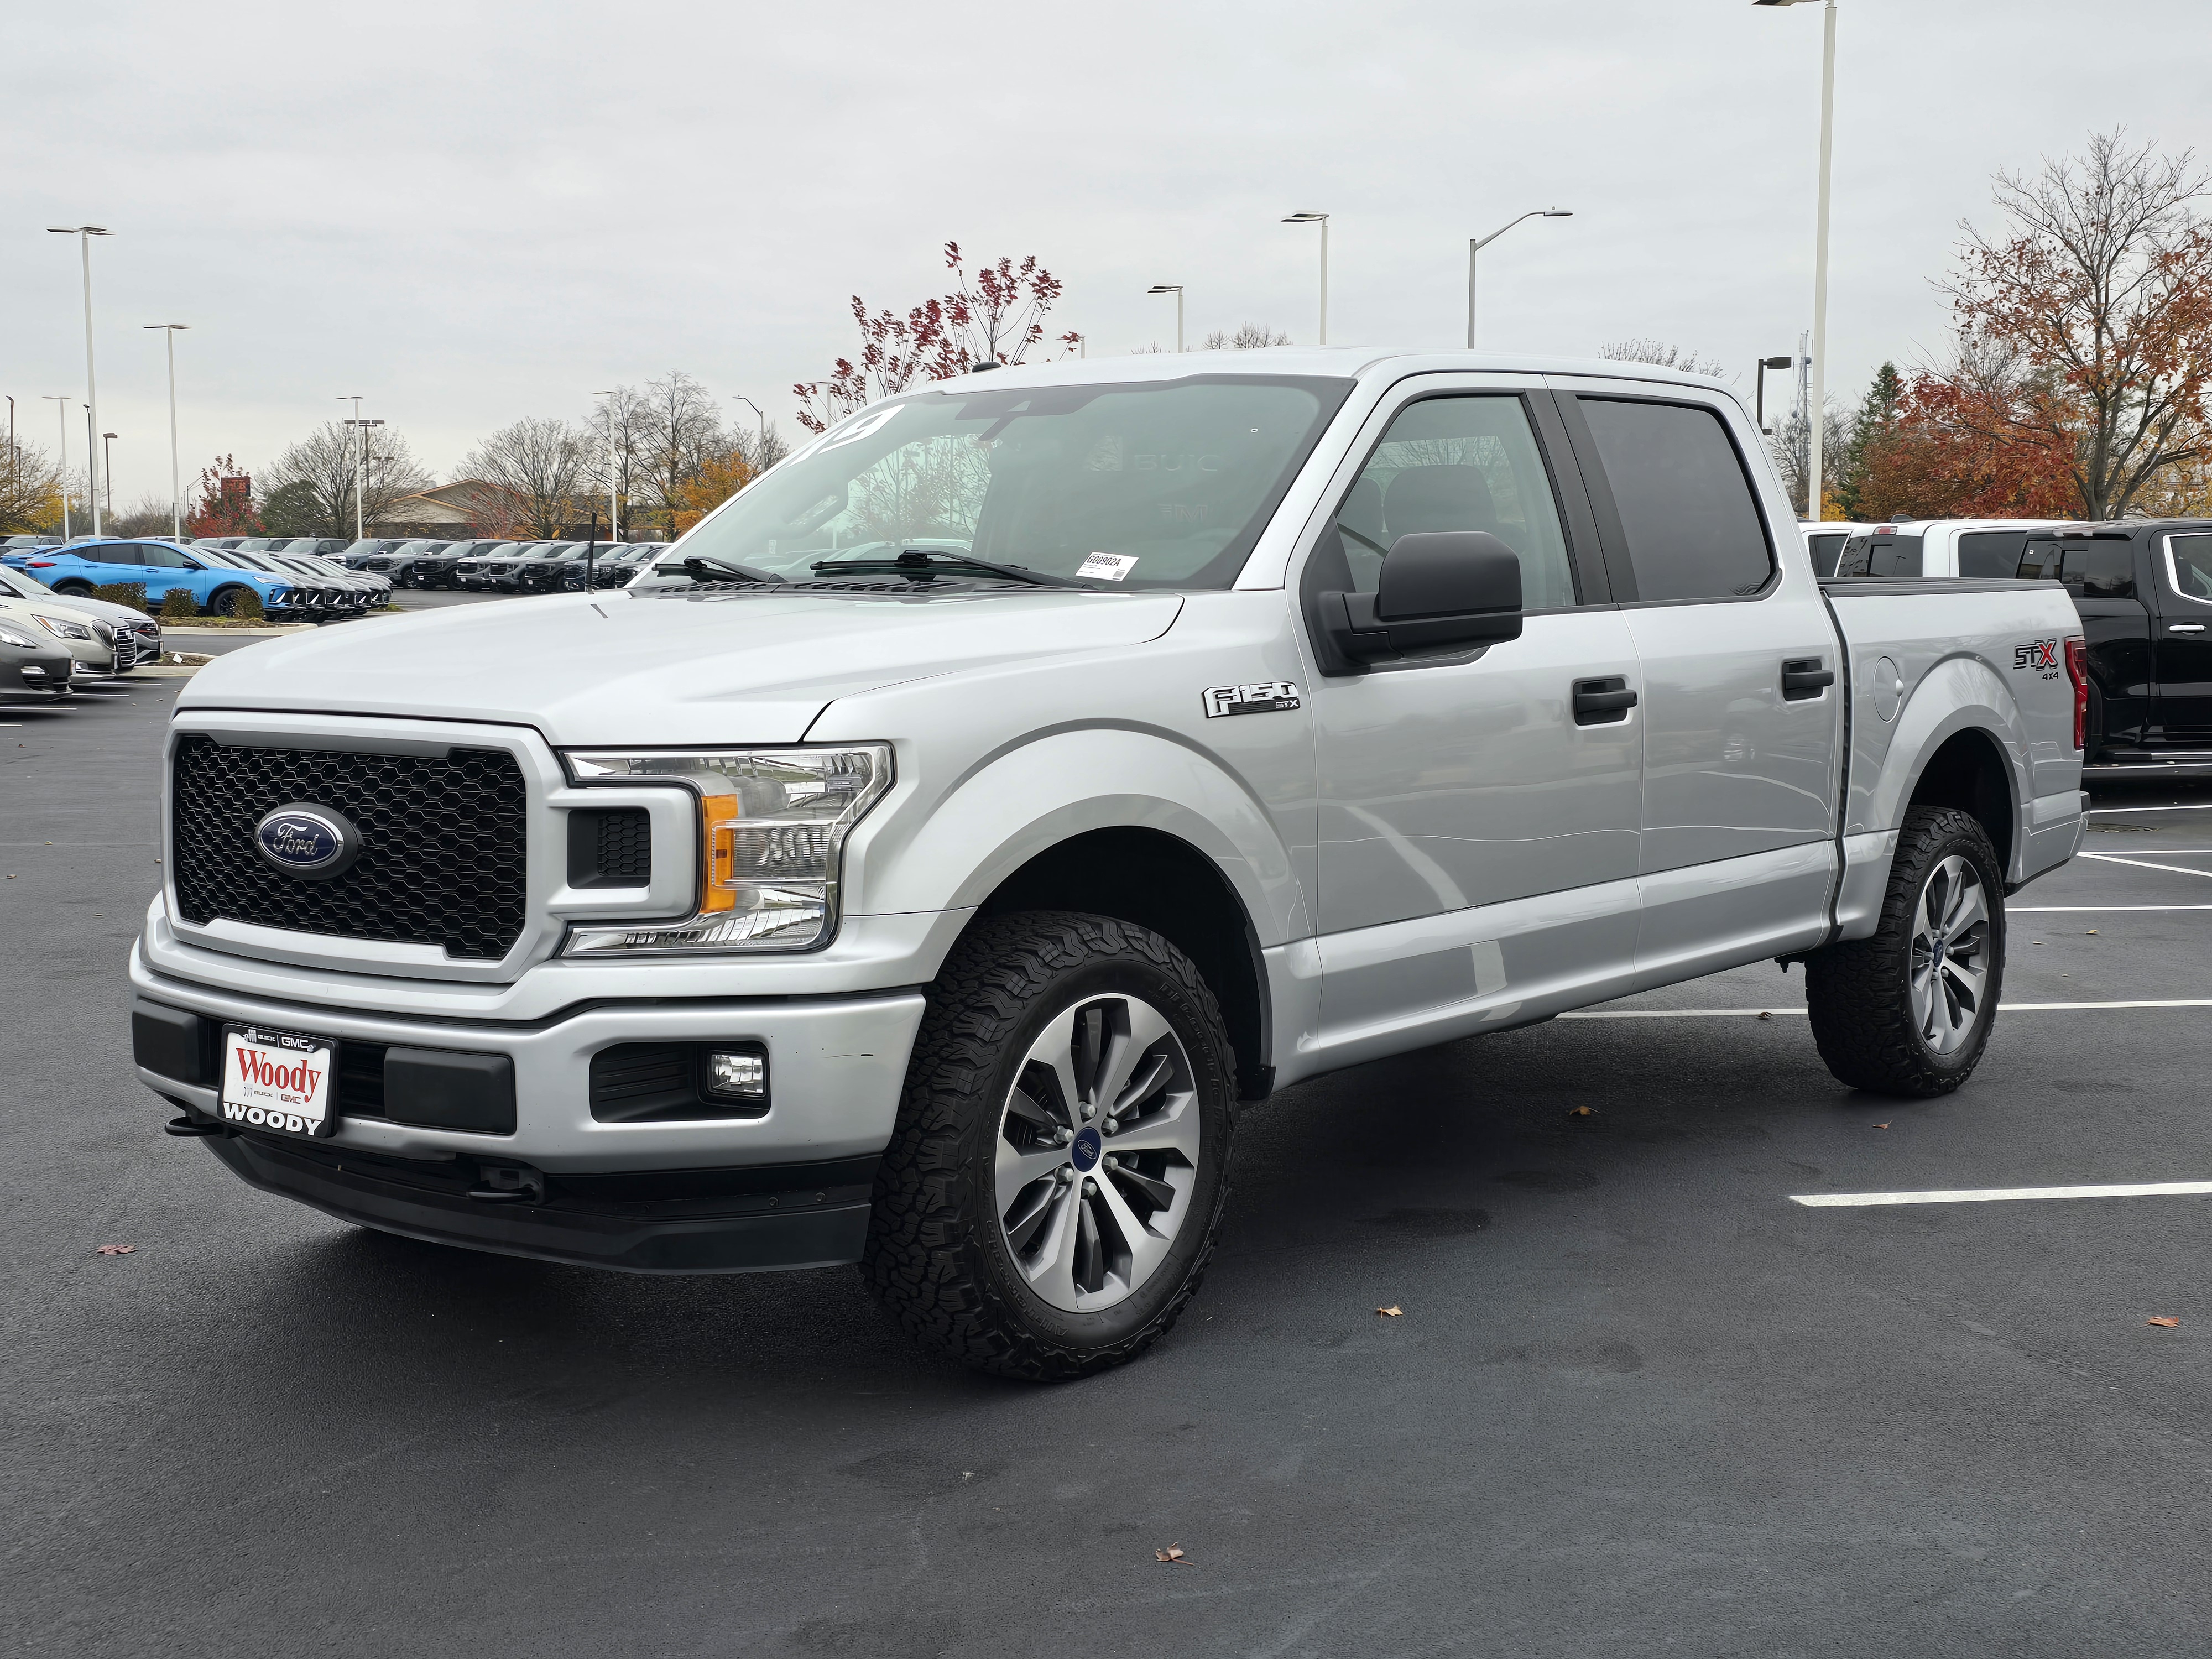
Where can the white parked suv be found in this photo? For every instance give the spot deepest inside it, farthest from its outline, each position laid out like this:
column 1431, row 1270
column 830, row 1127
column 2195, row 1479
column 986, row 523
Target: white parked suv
column 923, row 867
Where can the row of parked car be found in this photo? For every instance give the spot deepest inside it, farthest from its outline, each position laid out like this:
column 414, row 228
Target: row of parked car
column 217, row 572
column 504, row 567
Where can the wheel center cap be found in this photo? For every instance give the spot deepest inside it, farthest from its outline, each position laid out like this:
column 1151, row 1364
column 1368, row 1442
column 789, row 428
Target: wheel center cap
column 1085, row 1152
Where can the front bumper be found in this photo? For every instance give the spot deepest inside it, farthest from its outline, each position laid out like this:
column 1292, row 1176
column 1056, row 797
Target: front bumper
column 729, row 1221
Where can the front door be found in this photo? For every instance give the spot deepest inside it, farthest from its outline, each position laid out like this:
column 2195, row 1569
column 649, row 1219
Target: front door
column 1742, row 710
column 2184, row 648
column 1478, row 841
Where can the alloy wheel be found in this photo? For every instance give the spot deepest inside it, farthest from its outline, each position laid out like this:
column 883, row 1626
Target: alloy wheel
column 1097, row 1152
column 1950, row 955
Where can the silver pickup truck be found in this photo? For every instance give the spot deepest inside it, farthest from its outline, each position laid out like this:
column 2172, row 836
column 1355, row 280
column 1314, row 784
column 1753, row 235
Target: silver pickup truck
column 923, row 863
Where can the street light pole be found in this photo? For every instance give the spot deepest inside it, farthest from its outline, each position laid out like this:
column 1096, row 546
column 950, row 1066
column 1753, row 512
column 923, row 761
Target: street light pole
column 84, row 233
column 740, row 398
column 1320, row 219
column 360, row 457
column 1175, row 288
column 169, row 331
column 614, row 473
column 361, row 478
column 107, row 469
column 60, row 401
column 1816, row 416
column 1476, row 244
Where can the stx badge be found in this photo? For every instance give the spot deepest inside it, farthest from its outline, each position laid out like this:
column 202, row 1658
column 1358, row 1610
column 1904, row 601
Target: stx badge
column 2041, row 655
column 1250, row 699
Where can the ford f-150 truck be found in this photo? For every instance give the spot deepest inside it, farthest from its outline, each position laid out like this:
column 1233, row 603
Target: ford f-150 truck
column 923, row 864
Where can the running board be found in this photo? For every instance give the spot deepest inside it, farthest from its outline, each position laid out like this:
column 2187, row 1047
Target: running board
column 2193, row 766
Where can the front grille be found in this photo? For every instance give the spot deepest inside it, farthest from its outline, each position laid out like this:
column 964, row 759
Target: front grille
column 443, row 844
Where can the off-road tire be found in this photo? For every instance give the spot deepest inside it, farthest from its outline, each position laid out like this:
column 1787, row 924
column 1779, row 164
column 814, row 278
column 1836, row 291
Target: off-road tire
column 936, row 1256
column 1858, row 992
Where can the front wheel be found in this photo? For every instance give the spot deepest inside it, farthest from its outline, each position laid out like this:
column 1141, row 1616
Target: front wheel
column 1908, row 1011
column 1050, row 1195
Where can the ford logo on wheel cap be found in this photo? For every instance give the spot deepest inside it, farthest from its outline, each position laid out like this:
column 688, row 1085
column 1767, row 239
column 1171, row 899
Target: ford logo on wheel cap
column 310, row 842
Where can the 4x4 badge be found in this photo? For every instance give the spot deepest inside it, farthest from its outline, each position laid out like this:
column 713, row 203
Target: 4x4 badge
column 1263, row 699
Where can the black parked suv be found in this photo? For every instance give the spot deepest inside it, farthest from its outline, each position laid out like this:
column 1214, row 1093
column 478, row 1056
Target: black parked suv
column 2144, row 589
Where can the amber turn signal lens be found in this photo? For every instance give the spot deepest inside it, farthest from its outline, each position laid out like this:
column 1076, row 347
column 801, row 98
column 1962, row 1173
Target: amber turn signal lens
column 718, row 827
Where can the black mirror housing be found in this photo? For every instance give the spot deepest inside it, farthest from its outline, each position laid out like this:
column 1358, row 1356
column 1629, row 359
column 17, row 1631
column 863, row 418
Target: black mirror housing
column 1438, row 589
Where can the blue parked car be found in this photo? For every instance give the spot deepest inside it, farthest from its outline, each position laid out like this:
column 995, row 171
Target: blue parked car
column 159, row 566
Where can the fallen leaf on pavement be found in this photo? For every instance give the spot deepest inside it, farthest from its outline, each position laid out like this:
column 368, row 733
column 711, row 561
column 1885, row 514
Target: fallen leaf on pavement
column 1172, row 1554
column 1766, row 1013
column 1391, row 1312
column 1881, row 1126
column 1579, row 1111
column 2092, row 934
column 2160, row 1319
column 115, row 1249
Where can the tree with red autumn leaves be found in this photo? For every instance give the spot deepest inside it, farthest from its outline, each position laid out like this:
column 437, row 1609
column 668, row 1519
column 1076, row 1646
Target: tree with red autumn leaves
column 226, row 504
column 994, row 315
column 2078, row 385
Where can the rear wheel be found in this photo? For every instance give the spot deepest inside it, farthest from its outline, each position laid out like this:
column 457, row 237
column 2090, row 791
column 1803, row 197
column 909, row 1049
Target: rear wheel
column 76, row 587
column 1050, row 1195
column 1908, row 1011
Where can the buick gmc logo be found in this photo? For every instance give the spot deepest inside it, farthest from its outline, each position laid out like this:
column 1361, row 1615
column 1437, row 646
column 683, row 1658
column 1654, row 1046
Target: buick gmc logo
column 313, row 842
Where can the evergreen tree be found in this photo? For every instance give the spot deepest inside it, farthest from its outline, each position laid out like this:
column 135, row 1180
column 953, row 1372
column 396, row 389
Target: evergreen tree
column 1875, row 420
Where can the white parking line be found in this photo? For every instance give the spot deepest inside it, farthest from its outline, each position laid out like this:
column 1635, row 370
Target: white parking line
column 1768, row 1013
column 1999, row 1194
column 2145, row 864
column 2046, row 910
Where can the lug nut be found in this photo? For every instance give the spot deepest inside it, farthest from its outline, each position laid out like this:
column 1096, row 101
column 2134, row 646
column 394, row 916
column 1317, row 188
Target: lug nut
column 1062, row 1135
column 1090, row 1188
column 1110, row 1127
column 1112, row 1162
column 1065, row 1175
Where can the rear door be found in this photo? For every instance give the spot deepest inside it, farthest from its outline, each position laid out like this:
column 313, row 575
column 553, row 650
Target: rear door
column 1742, row 722
column 2100, row 570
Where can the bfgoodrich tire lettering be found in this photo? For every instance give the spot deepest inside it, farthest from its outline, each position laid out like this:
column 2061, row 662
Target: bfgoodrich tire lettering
column 1908, row 1011
column 955, row 1252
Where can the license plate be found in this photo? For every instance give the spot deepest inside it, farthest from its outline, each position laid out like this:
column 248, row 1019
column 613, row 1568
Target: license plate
column 277, row 1080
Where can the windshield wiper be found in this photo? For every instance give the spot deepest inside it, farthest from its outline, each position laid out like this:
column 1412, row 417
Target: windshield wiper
column 922, row 564
column 696, row 566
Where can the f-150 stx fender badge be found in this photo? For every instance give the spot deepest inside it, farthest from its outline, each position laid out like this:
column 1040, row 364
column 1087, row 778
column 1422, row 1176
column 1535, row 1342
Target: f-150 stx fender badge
column 1264, row 698
column 2040, row 655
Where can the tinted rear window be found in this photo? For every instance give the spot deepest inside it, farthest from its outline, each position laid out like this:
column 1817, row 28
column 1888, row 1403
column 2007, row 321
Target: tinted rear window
column 1990, row 552
column 1825, row 550
column 1687, row 509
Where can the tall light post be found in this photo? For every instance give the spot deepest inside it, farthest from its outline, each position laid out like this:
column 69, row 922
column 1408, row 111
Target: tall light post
column 84, row 233
column 360, row 477
column 614, row 472
column 1175, row 288
column 60, row 401
column 1816, row 416
column 1320, row 219
column 1476, row 244
column 740, row 398
column 169, row 331
column 107, row 469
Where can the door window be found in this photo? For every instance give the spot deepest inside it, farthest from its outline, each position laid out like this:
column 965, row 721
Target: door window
column 2102, row 567
column 2192, row 558
column 1687, row 513
column 167, row 558
column 1453, row 462
column 1991, row 553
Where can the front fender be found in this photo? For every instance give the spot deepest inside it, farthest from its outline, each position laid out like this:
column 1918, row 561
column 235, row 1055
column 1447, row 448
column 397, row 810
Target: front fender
column 949, row 846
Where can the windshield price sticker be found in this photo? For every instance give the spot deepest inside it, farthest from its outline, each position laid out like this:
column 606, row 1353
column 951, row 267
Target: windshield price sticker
column 276, row 1080
column 1264, row 698
column 1108, row 566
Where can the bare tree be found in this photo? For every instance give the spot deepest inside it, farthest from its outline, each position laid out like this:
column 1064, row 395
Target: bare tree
column 1643, row 350
column 1791, row 445
column 151, row 517
column 681, row 432
column 1248, row 336
column 2099, row 290
column 615, row 453
column 327, row 468
column 542, row 464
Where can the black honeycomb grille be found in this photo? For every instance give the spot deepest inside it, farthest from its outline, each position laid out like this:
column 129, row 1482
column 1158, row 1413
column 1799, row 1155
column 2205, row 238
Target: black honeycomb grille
column 625, row 850
column 443, row 844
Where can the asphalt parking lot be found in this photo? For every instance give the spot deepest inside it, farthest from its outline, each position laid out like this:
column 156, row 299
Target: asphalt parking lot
column 1638, row 1400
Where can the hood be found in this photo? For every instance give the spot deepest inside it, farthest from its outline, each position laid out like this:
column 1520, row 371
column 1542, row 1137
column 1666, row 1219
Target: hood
column 61, row 610
column 665, row 666
column 82, row 606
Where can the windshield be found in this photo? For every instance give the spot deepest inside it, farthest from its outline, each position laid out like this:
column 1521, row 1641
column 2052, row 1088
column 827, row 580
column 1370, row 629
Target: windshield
column 233, row 558
column 22, row 585
column 1151, row 484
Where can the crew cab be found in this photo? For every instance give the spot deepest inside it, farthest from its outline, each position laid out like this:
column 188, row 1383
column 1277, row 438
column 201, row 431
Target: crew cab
column 2143, row 588
column 925, row 862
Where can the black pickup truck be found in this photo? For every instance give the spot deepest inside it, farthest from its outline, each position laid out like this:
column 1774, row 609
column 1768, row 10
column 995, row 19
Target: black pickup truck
column 2144, row 589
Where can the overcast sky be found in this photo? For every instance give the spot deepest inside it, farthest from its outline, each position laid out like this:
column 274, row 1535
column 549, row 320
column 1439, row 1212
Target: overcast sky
column 472, row 213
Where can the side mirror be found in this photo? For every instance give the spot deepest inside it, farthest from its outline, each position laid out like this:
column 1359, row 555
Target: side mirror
column 1437, row 589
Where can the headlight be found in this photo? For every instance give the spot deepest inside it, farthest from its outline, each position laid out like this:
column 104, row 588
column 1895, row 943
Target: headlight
column 772, row 828
column 18, row 637
column 68, row 630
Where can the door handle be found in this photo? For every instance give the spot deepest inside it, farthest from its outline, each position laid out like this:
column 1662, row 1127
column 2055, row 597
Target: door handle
column 1804, row 677
column 1601, row 702
column 2184, row 628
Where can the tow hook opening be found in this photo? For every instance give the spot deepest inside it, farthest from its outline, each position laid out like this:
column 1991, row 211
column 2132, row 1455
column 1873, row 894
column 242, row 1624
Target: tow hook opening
column 508, row 1183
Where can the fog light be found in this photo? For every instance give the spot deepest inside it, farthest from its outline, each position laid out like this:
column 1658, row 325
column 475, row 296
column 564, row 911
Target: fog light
column 737, row 1076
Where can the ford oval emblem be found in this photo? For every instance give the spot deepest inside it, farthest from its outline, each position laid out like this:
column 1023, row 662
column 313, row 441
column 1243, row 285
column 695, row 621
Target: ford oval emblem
column 310, row 842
